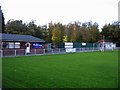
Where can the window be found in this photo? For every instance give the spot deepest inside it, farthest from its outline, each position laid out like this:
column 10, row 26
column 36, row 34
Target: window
column 11, row 44
column 17, row 44
column 5, row 44
column 1, row 45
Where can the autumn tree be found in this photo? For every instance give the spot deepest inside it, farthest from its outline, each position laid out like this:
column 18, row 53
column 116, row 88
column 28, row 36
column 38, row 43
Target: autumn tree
column 57, row 33
column 49, row 33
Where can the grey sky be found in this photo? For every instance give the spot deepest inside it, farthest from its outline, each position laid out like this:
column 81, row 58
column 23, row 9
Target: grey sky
column 64, row 11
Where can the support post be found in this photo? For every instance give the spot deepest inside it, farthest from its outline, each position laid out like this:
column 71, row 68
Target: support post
column 35, row 51
column 52, row 50
column 15, row 52
column 59, row 50
column 43, row 51
column 93, row 46
column 1, row 53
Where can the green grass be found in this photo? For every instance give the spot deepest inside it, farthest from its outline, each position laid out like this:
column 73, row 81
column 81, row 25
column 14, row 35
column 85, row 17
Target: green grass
column 78, row 70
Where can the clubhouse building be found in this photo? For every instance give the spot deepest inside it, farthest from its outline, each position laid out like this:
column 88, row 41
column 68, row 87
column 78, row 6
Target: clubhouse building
column 17, row 41
column 16, row 44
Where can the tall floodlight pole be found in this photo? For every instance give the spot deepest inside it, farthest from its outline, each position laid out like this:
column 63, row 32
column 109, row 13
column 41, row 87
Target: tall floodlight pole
column 0, row 20
column 119, row 11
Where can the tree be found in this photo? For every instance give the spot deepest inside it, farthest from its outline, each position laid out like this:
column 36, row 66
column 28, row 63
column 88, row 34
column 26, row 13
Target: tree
column 74, row 29
column 49, row 33
column 67, row 34
column 85, row 32
column 32, row 27
column 15, row 27
column 57, row 33
column 90, row 32
column 94, row 32
column 112, row 32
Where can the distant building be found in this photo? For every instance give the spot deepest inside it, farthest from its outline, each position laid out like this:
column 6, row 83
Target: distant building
column 17, row 44
column 106, row 45
column 17, row 41
column 1, row 21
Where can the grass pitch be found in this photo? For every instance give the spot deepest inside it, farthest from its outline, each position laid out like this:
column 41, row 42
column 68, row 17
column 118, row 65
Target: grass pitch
column 77, row 70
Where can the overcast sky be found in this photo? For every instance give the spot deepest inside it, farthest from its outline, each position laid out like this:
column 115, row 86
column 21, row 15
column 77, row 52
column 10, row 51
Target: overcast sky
column 64, row 11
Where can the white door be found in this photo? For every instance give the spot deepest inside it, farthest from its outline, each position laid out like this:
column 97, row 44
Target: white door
column 27, row 47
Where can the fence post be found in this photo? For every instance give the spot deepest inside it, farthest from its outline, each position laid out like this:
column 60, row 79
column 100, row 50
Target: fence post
column 35, row 51
column 43, row 51
column 25, row 52
column 15, row 52
column 1, row 53
column 59, row 50
column 52, row 50
column 93, row 47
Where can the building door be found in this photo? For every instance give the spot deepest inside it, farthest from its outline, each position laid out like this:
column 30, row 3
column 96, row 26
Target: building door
column 27, row 47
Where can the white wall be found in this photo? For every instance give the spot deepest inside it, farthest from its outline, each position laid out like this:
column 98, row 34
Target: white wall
column 110, row 45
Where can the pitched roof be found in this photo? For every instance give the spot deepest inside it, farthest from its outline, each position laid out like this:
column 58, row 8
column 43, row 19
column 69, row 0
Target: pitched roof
column 19, row 37
column 100, row 41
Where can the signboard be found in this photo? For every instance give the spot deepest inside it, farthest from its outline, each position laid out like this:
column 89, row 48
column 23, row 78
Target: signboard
column 37, row 45
column 83, row 44
column 69, row 47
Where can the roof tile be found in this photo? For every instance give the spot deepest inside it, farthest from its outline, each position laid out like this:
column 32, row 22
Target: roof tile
column 19, row 37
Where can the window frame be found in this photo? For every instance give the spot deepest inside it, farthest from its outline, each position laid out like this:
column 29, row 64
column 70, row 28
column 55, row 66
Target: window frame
column 16, row 45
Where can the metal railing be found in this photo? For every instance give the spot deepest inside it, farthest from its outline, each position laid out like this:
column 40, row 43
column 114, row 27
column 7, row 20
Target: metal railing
column 22, row 52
